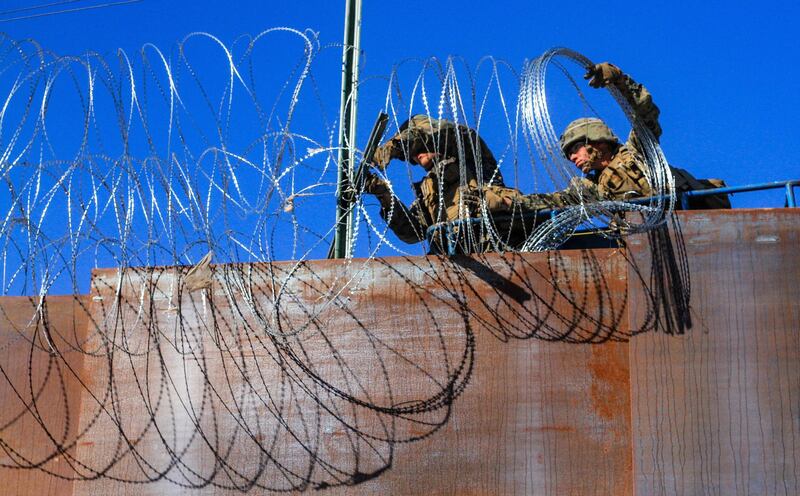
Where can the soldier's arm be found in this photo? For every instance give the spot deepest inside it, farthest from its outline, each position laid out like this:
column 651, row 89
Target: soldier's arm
column 635, row 94
column 407, row 223
column 642, row 102
column 406, row 143
column 392, row 148
column 580, row 190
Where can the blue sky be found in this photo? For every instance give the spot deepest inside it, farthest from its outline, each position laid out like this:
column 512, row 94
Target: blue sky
column 724, row 74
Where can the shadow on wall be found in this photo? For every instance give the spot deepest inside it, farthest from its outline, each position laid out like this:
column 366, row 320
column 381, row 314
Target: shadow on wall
column 292, row 376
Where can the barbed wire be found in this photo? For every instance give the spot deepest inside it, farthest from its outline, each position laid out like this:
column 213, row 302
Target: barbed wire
column 206, row 159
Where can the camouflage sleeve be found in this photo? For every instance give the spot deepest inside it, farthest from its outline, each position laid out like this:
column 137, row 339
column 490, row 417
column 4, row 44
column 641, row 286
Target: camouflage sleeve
column 407, row 223
column 393, row 148
column 580, row 190
column 416, row 138
column 641, row 101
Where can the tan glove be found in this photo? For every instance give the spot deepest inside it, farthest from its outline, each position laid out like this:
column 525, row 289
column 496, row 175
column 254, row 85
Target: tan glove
column 472, row 200
column 374, row 185
column 382, row 155
column 495, row 198
column 603, row 74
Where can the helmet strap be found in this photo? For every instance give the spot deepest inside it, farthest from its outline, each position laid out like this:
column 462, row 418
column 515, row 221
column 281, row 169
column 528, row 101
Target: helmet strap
column 594, row 153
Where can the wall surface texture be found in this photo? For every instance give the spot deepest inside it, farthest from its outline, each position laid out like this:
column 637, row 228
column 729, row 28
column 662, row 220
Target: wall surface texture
column 668, row 366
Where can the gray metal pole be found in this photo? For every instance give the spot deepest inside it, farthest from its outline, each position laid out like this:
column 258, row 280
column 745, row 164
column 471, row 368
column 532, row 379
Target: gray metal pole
column 347, row 125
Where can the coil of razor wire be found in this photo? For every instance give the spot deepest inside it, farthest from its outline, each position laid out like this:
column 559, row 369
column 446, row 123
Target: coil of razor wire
column 538, row 128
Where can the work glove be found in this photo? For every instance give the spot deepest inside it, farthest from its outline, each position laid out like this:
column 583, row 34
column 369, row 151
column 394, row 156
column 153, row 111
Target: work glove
column 603, row 74
column 493, row 198
column 384, row 154
column 374, row 185
column 471, row 199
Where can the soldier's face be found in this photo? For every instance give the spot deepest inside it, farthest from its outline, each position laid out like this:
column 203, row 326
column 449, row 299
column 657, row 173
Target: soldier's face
column 588, row 157
column 426, row 160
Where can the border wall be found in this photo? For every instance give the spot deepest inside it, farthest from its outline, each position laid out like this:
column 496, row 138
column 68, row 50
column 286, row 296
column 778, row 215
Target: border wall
column 565, row 372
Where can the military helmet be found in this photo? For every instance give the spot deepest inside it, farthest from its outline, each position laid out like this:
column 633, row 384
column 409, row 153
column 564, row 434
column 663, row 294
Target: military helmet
column 585, row 129
column 418, row 132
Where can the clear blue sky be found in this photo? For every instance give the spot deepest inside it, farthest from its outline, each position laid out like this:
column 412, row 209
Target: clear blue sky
column 725, row 76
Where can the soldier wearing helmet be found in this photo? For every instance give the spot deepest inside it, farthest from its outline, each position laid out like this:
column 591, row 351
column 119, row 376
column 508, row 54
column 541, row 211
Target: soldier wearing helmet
column 457, row 163
column 615, row 171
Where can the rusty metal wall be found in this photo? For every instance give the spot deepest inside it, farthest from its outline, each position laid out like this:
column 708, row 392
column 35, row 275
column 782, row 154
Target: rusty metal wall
column 486, row 375
column 41, row 435
column 492, row 349
column 717, row 409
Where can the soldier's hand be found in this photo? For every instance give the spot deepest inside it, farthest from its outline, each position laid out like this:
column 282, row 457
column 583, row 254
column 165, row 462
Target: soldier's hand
column 602, row 75
column 471, row 199
column 374, row 185
column 493, row 201
column 382, row 155
column 395, row 147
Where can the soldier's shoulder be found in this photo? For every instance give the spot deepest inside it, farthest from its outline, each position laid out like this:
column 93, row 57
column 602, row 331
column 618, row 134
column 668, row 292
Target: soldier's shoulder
column 626, row 153
column 626, row 158
column 624, row 174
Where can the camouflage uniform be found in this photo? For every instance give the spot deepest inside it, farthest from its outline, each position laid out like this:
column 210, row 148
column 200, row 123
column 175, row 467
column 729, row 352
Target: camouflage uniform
column 624, row 176
column 440, row 195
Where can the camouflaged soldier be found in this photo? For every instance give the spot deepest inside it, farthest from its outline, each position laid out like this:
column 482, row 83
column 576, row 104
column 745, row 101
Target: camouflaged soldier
column 615, row 171
column 447, row 151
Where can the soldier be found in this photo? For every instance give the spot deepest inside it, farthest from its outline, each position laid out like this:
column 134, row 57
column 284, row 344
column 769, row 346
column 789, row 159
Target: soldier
column 615, row 171
column 458, row 164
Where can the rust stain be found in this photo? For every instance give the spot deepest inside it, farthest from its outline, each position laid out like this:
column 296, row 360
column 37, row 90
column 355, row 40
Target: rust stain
column 610, row 381
column 86, row 443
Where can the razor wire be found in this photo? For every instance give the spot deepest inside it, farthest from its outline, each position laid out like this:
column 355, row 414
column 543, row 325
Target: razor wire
column 539, row 130
column 207, row 155
column 159, row 172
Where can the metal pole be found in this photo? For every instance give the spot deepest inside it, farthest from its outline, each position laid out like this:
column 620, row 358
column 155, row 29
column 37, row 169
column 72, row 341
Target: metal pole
column 347, row 123
column 790, row 202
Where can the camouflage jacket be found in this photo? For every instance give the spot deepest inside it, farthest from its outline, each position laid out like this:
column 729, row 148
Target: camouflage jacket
column 438, row 194
column 624, row 177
